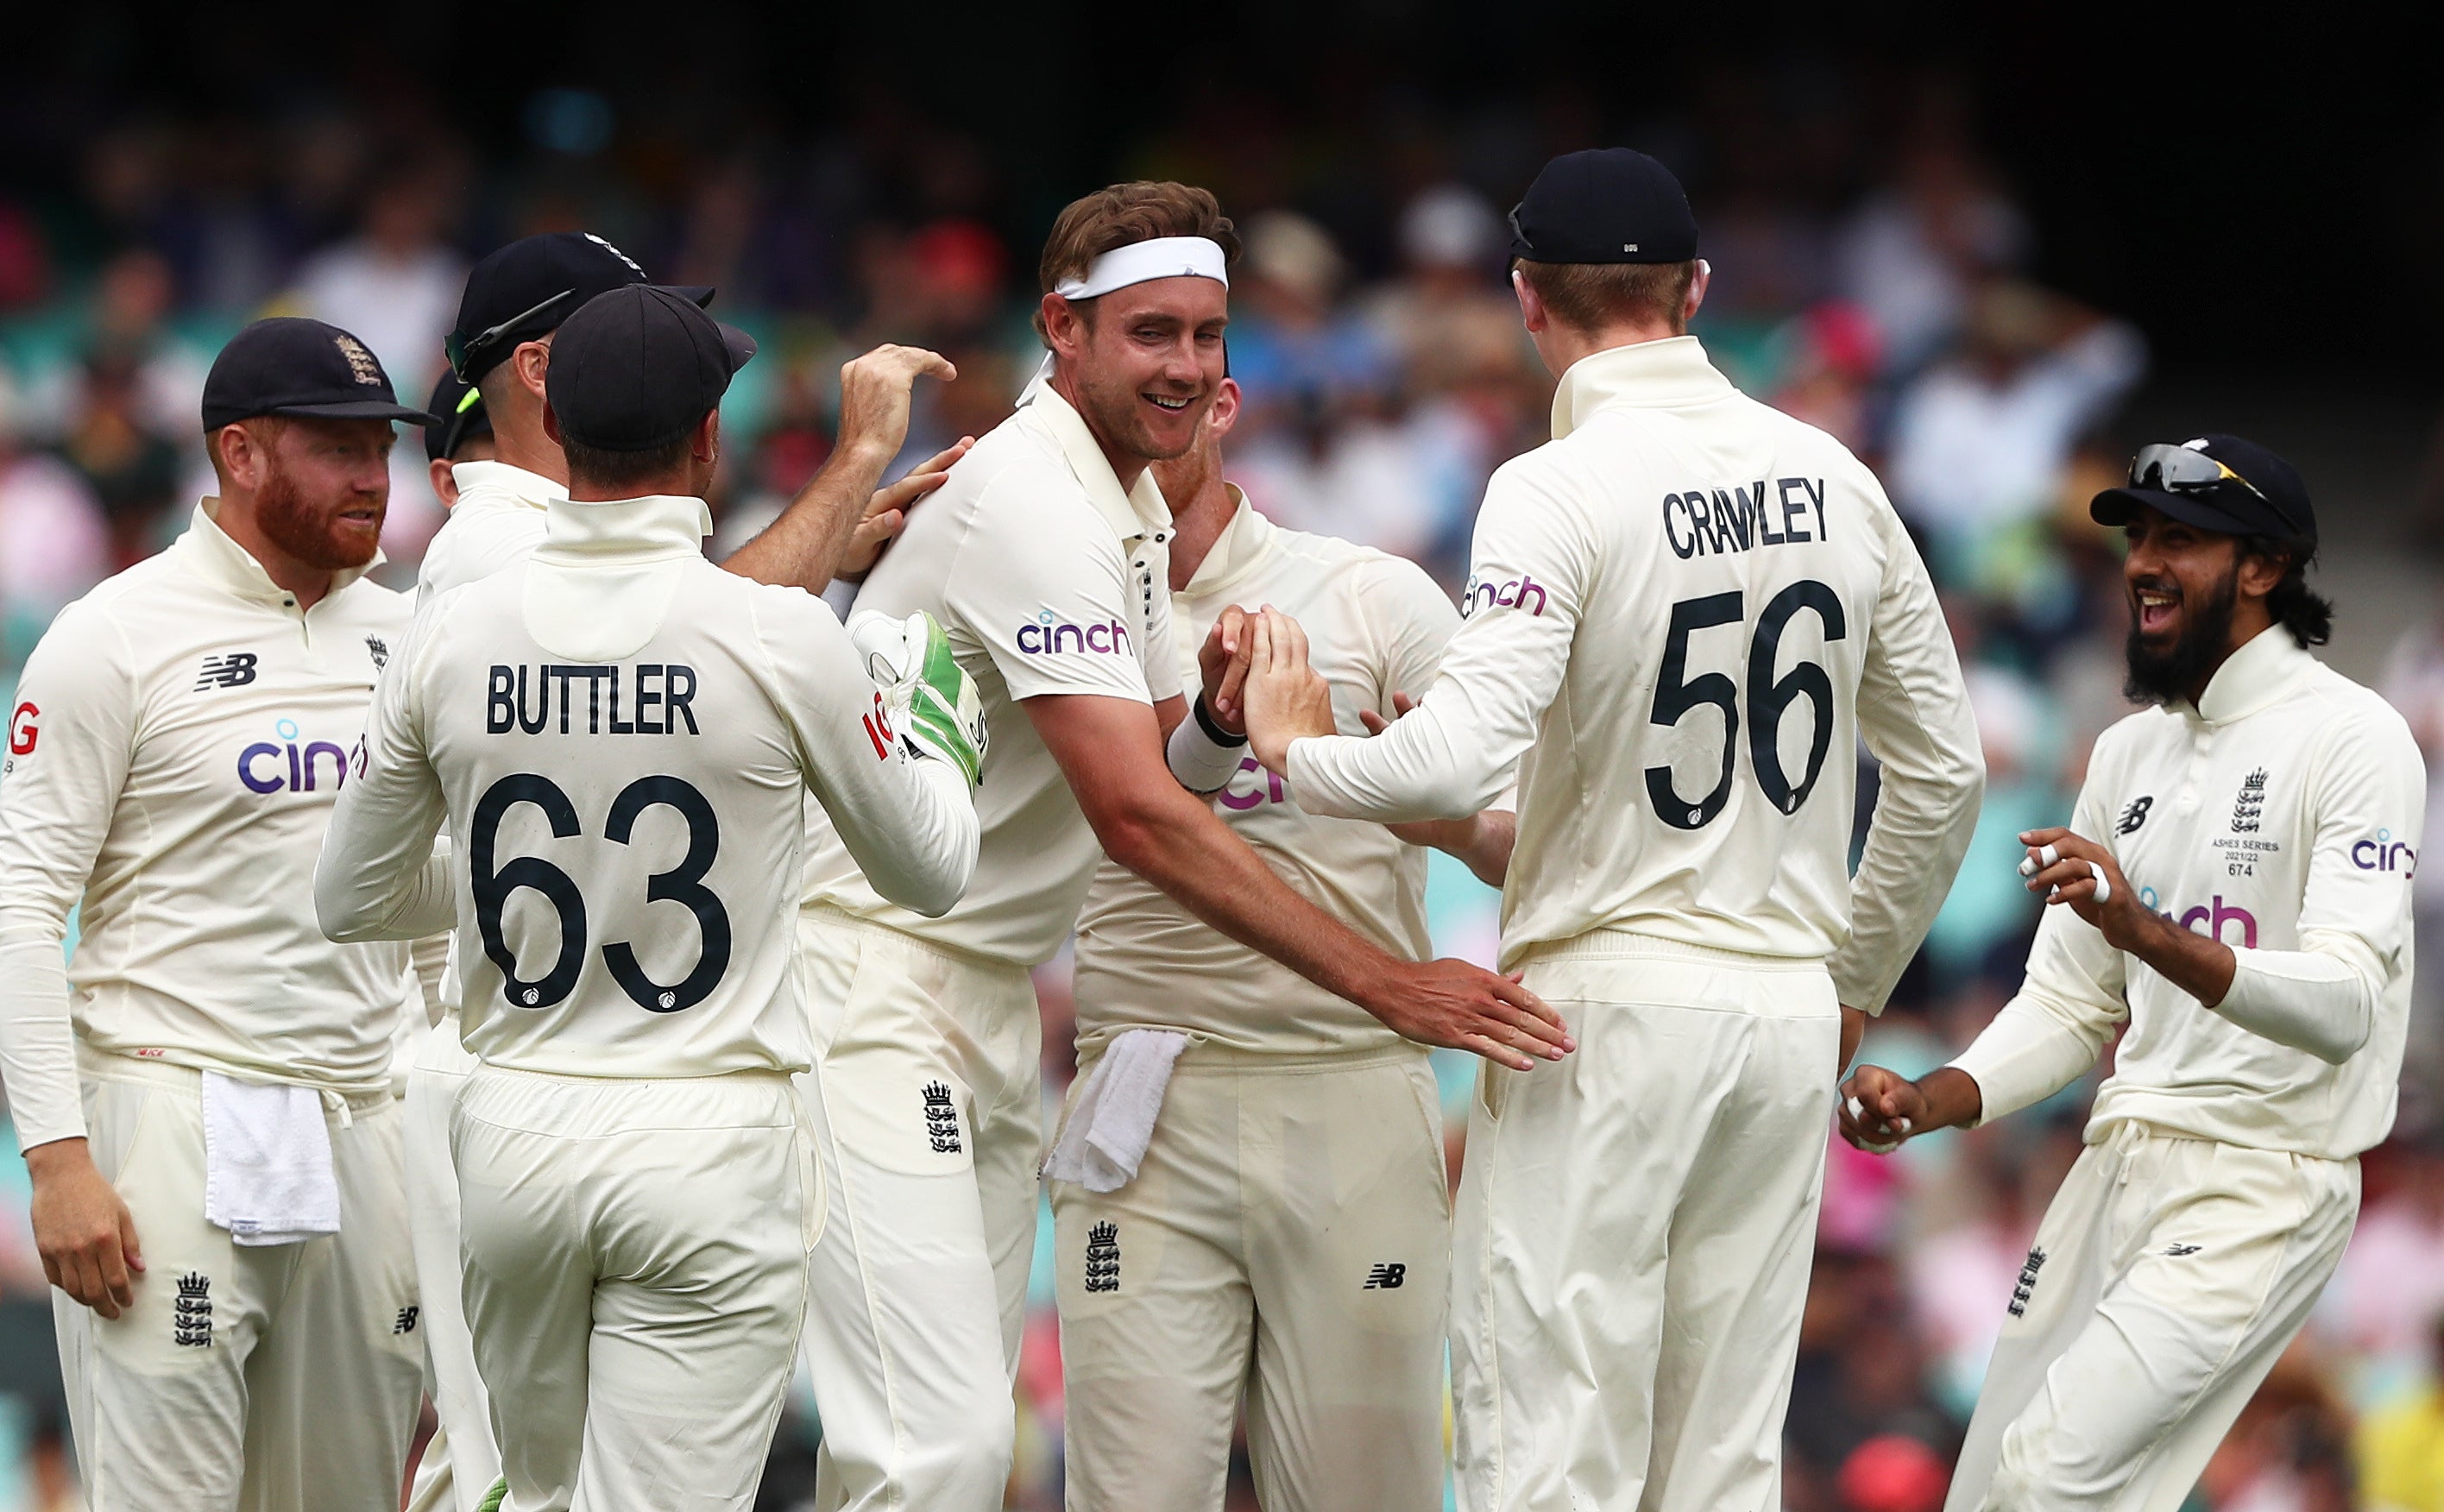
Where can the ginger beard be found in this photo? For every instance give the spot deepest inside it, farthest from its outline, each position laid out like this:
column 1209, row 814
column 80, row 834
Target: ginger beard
column 333, row 533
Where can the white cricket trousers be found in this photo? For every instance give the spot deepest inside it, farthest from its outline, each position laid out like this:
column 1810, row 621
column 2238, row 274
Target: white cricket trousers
column 927, row 1095
column 247, row 1378
column 1287, row 1240
column 2168, row 1275
column 636, row 1279
column 460, row 1461
column 1634, row 1231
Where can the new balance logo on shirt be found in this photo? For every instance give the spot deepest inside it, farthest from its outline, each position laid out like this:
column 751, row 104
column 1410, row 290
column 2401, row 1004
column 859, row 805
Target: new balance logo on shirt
column 2134, row 814
column 235, row 669
column 1386, row 1277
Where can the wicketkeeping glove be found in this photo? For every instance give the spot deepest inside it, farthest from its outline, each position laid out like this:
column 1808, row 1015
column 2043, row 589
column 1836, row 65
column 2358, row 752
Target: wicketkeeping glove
column 933, row 700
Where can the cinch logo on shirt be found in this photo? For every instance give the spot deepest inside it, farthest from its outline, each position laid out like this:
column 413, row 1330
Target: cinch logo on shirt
column 1511, row 595
column 2382, row 854
column 261, row 769
column 2214, row 917
column 1050, row 634
column 1270, row 792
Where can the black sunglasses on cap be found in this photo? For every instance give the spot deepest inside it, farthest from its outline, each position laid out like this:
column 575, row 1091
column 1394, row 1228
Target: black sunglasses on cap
column 2186, row 470
column 458, row 350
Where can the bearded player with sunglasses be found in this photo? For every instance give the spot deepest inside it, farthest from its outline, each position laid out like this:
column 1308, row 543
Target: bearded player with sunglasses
column 2235, row 885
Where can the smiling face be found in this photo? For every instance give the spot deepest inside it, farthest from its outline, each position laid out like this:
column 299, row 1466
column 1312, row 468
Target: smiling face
column 1142, row 363
column 323, row 488
column 2195, row 597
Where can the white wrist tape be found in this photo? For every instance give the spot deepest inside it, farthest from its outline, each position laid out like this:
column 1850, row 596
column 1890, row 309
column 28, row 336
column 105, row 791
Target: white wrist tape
column 1201, row 762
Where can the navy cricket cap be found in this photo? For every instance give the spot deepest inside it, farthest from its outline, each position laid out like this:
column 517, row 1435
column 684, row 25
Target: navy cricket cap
column 458, row 417
column 1605, row 204
column 291, row 365
column 639, row 367
column 2219, row 483
column 527, row 289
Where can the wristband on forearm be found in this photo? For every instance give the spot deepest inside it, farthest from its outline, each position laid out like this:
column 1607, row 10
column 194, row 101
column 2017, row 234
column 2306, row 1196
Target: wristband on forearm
column 1201, row 753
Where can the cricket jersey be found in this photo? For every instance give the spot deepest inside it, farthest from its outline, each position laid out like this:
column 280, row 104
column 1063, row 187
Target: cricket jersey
column 622, row 736
column 1049, row 578
column 497, row 520
column 1682, row 615
column 2280, row 815
column 1377, row 625
column 178, row 740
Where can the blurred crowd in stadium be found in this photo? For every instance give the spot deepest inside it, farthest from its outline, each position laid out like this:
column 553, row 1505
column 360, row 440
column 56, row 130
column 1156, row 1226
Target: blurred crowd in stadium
column 1869, row 275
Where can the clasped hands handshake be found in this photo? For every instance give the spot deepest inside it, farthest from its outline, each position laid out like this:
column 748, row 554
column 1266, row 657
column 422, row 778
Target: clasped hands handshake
column 1259, row 683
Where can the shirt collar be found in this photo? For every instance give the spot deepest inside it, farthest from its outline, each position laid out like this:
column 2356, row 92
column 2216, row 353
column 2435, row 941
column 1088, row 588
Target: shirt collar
column 1647, row 375
column 657, row 524
column 1244, row 543
column 530, row 489
column 230, row 566
column 2256, row 676
column 1134, row 512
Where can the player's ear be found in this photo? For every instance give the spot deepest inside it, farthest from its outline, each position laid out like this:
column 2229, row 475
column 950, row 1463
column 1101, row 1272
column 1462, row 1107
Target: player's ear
column 552, row 424
column 445, row 483
column 705, row 446
column 1531, row 304
column 1064, row 327
column 1225, row 412
column 2261, row 571
column 532, row 361
column 1704, row 276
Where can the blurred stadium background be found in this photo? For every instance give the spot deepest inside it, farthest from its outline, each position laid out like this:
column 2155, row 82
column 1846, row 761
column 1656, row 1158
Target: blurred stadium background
column 1991, row 252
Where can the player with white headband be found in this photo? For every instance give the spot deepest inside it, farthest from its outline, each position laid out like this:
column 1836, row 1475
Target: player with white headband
column 2232, row 887
column 1044, row 558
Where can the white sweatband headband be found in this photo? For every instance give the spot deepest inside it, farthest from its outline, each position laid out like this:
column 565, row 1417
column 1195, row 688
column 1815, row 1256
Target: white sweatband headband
column 1202, row 764
column 1143, row 262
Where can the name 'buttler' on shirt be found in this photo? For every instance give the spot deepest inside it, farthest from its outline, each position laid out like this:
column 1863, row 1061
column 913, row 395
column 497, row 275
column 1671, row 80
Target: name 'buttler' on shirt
column 587, row 700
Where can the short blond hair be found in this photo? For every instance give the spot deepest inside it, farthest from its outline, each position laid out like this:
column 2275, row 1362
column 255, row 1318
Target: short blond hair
column 1591, row 296
column 1125, row 214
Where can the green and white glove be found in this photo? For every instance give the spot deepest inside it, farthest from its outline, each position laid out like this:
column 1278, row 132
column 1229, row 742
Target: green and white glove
column 933, row 701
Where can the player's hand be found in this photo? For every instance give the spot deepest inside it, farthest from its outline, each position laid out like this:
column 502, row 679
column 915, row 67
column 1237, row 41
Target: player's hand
column 1287, row 699
column 1466, row 1007
column 2063, row 868
column 82, row 1228
column 1880, row 1110
column 1222, row 668
column 886, row 514
column 877, row 390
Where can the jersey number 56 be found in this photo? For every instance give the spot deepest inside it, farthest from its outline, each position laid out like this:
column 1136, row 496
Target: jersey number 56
column 1677, row 694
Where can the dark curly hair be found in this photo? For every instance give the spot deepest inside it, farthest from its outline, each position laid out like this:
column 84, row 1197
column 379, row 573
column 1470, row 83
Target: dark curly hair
column 2301, row 610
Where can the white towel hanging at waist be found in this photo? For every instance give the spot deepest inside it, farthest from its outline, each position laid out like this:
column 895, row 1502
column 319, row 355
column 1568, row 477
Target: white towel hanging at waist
column 1112, row 1123
column 268, row 1176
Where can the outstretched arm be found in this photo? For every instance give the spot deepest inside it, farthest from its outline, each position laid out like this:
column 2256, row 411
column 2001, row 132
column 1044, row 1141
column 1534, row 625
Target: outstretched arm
column 811, row 542
column 1111, row 750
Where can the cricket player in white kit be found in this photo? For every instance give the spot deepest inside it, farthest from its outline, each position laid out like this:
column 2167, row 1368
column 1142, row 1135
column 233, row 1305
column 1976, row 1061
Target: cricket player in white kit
column 204, row 1093
column 1682, row 615
column 621, row 735
column 1044, row 558
column 2234, row 884
column 1286, row 1233
column 515, row 301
